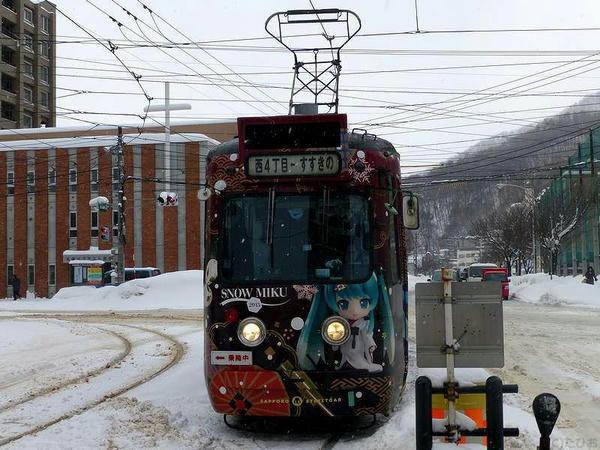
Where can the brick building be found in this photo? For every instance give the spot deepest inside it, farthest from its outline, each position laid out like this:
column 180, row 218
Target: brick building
column 49, row 175
column 28, row 68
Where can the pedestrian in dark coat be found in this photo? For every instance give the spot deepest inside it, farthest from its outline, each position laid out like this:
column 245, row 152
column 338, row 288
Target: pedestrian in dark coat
column 16, row 285
column 590, row 275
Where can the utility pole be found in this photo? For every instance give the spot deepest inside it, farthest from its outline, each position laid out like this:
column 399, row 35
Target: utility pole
column 595, row 208
column 119, row 206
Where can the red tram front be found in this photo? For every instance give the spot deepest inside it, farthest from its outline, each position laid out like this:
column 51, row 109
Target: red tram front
column 305, row 296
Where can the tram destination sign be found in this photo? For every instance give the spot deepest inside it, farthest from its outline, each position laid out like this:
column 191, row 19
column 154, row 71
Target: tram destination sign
column 294, row 165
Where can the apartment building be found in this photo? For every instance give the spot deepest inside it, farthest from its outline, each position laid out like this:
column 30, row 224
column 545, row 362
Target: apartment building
column 28, row 64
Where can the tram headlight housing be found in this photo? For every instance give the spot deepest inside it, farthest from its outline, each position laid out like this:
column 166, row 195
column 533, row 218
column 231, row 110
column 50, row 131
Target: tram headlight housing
column 252, row 331
column 335, row 330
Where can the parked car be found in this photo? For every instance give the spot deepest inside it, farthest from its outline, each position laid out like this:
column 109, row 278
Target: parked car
column 475, row 270
column 497, row 274
column 132, row 273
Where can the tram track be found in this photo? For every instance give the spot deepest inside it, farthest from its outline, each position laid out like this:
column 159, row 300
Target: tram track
column 126, row 350
column 176, row 348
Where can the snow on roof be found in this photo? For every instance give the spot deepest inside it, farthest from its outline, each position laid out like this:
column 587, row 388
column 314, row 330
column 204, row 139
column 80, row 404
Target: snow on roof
column 102, row 141
column 51, row 130
column 86, row 262
column 93, row 254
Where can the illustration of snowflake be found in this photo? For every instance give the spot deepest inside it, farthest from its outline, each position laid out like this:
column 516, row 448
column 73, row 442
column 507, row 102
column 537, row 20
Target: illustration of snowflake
column 305, row 291
column 361, row 177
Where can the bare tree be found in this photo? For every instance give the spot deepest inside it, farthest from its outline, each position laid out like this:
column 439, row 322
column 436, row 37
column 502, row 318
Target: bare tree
column 495, row 231
column 518, row 222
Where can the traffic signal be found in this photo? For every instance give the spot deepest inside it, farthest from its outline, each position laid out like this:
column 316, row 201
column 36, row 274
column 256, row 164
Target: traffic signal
column 104, row 234
column 168, row 199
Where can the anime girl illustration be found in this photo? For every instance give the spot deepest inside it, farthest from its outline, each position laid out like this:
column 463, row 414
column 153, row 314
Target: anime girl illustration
column 366, row 306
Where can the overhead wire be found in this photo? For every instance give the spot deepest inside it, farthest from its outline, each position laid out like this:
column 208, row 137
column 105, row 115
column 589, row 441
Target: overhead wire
column 170, row 25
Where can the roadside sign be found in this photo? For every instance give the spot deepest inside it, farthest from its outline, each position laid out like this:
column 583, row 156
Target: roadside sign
column 94, row 275
column 477, row 323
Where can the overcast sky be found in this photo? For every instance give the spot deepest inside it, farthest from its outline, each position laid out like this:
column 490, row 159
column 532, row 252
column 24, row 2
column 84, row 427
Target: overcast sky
column 564, row 61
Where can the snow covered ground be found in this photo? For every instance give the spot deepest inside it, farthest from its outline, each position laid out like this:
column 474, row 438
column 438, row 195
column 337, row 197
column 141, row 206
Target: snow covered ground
column 175, row 290
column 539, row 288
column 83, row 372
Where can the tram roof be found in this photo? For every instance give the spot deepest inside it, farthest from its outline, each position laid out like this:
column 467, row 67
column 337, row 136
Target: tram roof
column 356, row 141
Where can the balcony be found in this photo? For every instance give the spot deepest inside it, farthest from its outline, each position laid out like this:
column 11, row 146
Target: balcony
column 9, row 28
column 8, row 84
column 8, row 111
column 9, row 56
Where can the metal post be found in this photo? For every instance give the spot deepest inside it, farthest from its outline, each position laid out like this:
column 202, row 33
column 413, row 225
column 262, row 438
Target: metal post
column 424, row 428
column 167, row 176
column 495, row 413
column 450, row 381
column 121, row 208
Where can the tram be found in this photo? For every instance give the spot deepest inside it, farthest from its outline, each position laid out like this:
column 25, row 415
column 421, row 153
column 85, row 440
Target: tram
column 306, row 294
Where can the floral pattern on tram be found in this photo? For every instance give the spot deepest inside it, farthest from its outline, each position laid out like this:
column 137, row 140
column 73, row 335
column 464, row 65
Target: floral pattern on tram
column 366, row 306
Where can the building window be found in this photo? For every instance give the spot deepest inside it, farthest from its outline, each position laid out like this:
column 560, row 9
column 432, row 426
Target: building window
column 10, row 183
column 28, row 67
column 44, row 99
column 94, row 180
column 9, row 274
column 28, row 15
column 51, row 274
column 115, row 223
column 28, row 41
column 30, row 181
column 10, row 4
column 45, row 74
column 72, row 224
column 52, row 180
column 45, row 24
column 31, row 275
column 28, row 94
column 27, row 120
column 94, row 222
column 73, row 180
column 44, row 48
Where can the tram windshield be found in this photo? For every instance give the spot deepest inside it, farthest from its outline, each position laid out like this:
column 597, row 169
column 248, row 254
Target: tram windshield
column 300, row 238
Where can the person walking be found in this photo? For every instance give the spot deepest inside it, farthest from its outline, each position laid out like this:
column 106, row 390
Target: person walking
column 16, row 285
column 590, row 275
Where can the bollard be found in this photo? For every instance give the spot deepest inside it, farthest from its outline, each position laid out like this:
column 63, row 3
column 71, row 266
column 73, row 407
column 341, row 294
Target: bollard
column 424, row 430
column 495, row 413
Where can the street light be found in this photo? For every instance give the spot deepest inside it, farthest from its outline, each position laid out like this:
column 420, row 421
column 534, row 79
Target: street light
column 529, row 197
column 167, row 108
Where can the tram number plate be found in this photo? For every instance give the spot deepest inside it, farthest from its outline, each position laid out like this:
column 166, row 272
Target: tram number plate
column 306, row 164
column 233, row 358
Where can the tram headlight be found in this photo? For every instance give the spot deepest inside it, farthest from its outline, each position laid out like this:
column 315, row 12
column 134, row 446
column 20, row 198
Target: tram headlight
column 335, row 330
column 251, row 332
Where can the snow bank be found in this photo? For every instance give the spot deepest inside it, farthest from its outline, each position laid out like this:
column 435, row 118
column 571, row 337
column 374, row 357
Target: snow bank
column 414, row 279
column 175, row 290
column 539, row 288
